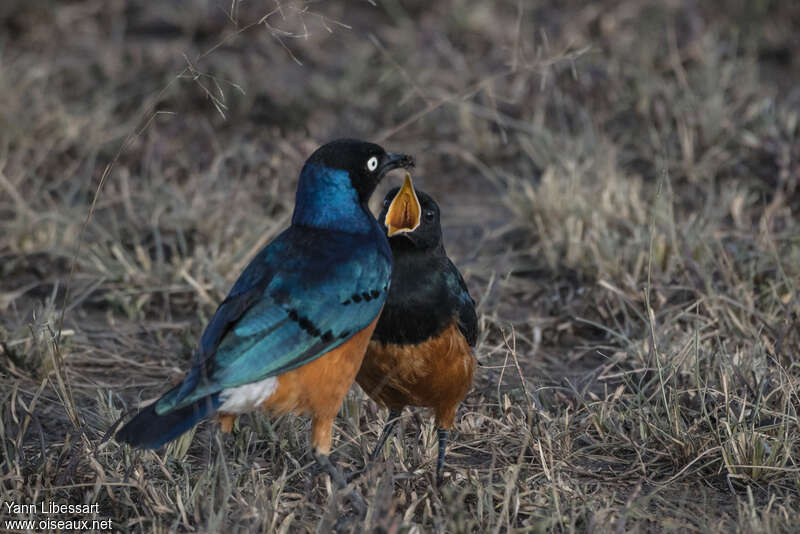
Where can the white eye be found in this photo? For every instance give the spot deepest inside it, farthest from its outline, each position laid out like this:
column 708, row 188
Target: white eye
column 372, row 163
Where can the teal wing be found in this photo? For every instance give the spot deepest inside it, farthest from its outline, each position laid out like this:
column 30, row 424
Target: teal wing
column 304, row 295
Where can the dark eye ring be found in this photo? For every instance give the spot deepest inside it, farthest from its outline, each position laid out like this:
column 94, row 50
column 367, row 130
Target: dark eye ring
column 429, row 215
column 386, row 202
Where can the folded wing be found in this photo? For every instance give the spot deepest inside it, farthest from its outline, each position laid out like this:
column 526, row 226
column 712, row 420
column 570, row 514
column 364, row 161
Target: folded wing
column 303, row 295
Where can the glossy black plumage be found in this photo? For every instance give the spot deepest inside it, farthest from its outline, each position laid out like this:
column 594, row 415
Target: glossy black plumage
column 420, row 353
column 427, row 291
column 288, row 338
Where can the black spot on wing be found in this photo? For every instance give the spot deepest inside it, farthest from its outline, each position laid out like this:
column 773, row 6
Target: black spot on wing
column 308, row 326
column 366, row 296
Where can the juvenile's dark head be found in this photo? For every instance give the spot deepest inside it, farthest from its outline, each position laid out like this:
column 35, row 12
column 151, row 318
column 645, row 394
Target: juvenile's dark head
column 411, row 218
column 365, row 163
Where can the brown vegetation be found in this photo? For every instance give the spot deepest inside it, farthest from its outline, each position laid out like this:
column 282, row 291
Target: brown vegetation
column 620, row 185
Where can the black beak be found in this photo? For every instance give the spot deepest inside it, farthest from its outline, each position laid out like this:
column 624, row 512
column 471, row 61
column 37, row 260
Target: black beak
column 395, row 161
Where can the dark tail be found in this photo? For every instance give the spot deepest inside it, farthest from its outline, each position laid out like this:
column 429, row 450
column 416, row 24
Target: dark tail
column 149, row 430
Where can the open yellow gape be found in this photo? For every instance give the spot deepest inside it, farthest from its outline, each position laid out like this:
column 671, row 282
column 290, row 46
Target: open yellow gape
column 404, row 211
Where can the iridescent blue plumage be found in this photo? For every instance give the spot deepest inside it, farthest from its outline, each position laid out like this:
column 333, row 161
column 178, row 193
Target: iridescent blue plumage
column 286, row 308
column 325, row 199
column 294, row 315
column 322, row 280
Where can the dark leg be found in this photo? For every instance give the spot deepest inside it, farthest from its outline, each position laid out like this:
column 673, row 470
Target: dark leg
column 442, row 433
column 391, row 422
column 338, row 479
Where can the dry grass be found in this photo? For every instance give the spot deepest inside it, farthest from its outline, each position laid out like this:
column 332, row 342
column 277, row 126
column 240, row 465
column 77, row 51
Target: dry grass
column 620, row 183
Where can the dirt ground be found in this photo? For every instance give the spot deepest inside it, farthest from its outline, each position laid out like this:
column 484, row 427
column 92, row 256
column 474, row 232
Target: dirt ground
column 620, row 186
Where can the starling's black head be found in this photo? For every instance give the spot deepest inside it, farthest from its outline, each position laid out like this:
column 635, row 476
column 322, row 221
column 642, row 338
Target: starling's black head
column 411, row 218
column 365, row 163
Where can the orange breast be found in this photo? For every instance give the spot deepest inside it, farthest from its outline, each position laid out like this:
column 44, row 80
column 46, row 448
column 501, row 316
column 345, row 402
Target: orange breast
column 317, row 388
column 436, row 373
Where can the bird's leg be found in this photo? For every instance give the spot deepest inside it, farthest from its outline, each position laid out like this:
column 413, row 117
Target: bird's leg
column 226, row 422
column 391, row 422
column 338, row 479
column 442, row 434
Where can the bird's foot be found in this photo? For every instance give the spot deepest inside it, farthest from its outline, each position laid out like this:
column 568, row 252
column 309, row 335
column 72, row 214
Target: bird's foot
column 356, row 500
column 355, row 475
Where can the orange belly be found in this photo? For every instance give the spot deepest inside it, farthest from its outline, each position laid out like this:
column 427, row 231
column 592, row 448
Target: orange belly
column 317, row 388
column 436, row 373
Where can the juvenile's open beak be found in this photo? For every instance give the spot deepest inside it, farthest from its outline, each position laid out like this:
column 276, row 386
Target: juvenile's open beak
column 404, row 212
column 395, row 161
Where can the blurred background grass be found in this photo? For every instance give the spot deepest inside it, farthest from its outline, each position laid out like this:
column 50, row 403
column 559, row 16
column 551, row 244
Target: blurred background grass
column 620, row 184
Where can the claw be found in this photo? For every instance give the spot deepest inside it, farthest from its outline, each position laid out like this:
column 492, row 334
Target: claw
column 356, row 500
